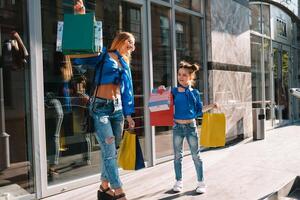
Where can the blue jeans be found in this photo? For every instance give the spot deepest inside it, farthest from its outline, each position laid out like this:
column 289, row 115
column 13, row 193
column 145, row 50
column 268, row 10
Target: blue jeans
column 190, row 132
column 108, row 121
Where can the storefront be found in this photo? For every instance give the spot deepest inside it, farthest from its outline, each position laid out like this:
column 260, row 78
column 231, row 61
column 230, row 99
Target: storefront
column 49, row 150
column 274, row 59
column 245, row 64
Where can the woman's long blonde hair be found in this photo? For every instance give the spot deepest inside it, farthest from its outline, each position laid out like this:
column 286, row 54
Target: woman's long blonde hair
column 118, row 41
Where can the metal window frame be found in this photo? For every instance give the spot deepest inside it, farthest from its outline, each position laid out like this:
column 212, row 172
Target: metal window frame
column 173, row 9
column 37, row 81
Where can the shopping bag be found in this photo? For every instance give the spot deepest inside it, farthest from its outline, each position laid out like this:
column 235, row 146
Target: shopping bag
column 213, row 128
column 139, row 161
column 161, row 107
column 79, row 34
column 160, row 100
column 127, row 151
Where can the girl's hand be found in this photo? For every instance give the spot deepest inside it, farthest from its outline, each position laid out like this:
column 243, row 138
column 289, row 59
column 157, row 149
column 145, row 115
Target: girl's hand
column 210, row 107
column 161, row 89
column 216, row 105
column 131, row 123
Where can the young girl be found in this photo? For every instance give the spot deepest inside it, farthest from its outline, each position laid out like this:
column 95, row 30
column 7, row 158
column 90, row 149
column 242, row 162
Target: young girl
column 188, row 106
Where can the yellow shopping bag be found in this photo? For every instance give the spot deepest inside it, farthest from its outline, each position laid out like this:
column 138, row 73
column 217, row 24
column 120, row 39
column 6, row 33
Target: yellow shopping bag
column 127, row 151
column 213, row 130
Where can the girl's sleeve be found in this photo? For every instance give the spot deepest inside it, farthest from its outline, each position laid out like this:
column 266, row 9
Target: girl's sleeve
column 199, row 105
column 174, row 91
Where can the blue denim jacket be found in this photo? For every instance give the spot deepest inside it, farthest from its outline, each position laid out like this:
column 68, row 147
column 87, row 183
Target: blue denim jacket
column 188, row 104
column 112, row 73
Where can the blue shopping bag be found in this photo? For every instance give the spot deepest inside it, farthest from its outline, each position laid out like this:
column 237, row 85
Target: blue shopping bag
column 139, row 162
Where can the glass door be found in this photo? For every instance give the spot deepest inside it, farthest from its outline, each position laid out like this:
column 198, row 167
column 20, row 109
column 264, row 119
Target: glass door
column 268, row 82
column 281, row 71
column 16, row 163
column 73, row 154
column 162, row 69
column 294, row 84
column 183, row 35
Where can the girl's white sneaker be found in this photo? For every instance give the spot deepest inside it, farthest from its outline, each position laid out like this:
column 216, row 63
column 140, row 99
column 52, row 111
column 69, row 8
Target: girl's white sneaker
column 201, row 187
column 178, row 186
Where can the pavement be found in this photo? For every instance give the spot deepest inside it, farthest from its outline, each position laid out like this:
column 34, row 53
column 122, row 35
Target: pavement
column 245, row 170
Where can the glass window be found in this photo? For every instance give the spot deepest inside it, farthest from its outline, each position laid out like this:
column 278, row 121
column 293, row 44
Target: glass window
column 188, row 47
column 16, row 164
column 284, row 89
column 266, row 19
column 268, row 89
column 298, row 33
column 71, row 151
column 281, row 27
column 255, row 24
column 276, row 64
column 256, row 47
column 188, row 43
column 190, row 4
column 162, row 69
column 298, row 81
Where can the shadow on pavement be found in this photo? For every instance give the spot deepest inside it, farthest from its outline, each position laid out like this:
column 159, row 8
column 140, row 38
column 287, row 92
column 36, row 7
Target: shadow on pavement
column 177, row 195
column 232, row 142
column 145, row 196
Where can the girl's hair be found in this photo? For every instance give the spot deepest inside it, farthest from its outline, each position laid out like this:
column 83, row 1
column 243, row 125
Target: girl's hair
column 191, row 68
column 118, row 41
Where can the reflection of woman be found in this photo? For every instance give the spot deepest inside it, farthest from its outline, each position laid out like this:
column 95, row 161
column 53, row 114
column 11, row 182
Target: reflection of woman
column 67, row 73
column 53, row 152
column 112, row 100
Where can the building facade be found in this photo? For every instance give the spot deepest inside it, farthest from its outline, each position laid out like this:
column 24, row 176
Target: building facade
column 248, row 52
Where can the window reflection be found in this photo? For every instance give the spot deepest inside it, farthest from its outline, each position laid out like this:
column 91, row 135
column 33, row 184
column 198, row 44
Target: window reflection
column 260, row 18
column 16, row 156
column 162, row 69
column 255, row 19
column 72, row 151
column 190, row 4
column 188, row 43
column 268, row 89
column 256, row 48
column 266, row 19
column 188, row 46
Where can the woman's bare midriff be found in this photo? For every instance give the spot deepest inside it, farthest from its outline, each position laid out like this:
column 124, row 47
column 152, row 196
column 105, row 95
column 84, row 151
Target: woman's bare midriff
column 107, row 91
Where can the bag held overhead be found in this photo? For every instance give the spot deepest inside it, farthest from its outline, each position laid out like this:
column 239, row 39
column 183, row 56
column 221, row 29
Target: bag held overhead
column 79, row 34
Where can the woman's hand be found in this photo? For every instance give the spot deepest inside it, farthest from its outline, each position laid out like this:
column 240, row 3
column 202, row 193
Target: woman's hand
column 79, row 7
column 131, row 123
column 84, row 98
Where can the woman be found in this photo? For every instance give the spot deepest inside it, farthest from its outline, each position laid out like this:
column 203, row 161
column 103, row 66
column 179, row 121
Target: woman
column 112, row 101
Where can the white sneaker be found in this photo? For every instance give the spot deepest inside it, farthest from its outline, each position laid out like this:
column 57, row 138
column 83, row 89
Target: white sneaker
column 201, row 187
column 178, row 186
